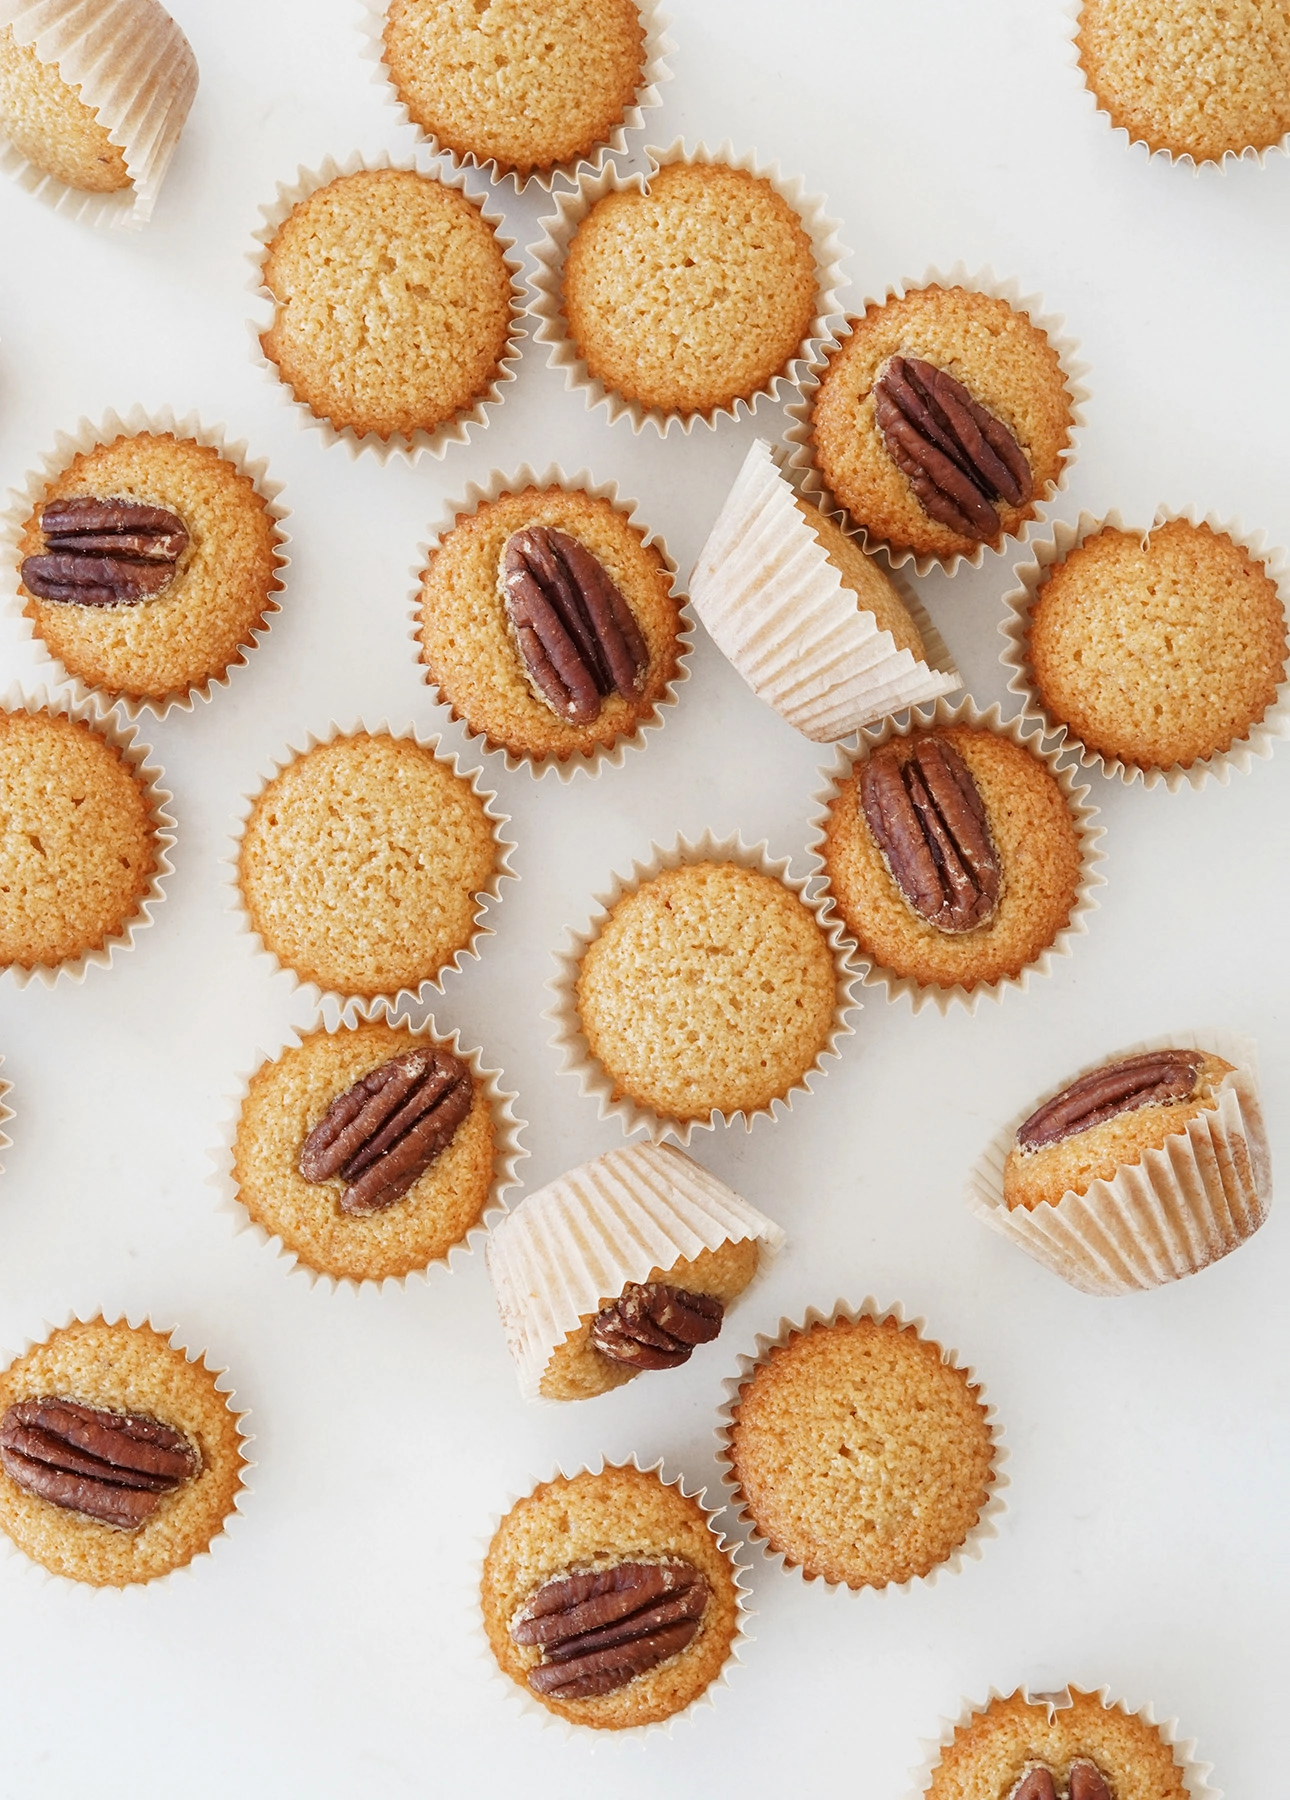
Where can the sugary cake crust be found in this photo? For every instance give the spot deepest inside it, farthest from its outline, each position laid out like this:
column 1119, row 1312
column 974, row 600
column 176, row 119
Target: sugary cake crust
column 873, row 591
column 45, row 118
column 990, row 1754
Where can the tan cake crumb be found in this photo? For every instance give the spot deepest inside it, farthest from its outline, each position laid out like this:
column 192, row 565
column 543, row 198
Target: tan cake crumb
column 860, row 573
column 45, row 118
column 995, row 1748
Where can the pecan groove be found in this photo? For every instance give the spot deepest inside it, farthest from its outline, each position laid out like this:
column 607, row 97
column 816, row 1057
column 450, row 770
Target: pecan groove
column 578, row 638
column 1085, row 1781
column 928, row 819
column 383, row 1133
column 958, row 457
column 112, row 552
column 1157, row 1078
column 115, row 1467
column 598, row 1632
column 654, row 1326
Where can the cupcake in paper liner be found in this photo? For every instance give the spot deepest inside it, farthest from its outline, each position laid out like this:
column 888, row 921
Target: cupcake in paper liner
column 610, row 1600
column 957, row 854
column 1146, row 1168
column 93, row 97
column 146, row 557
column 366, row 860
column 370, row 1152
column 706, row 987
column 621, row 1266
column 547, row 619
column 628, row 272
column 78, row 881
column 1159, row 653
column 815, row 627
column 580, row 75
column 861, row 1452
column 121, row 1457
column 938, row 420
column 402, row 262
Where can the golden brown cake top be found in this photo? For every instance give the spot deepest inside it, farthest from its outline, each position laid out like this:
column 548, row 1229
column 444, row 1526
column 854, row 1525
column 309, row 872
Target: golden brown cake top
column 873, row 591
column 1000, row 1746
column 45, row 118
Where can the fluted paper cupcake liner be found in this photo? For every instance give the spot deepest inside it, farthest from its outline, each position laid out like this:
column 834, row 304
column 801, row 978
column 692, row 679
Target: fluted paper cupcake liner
column 777, row 607
column 982, row 281
column 86, row 437
column 464, row 425
column 571, row 208
column 1020, row 731
column 589, row 762
column 532, row 1708
column 566, row 1246
column 6, row 1113
column 135, row 70
column 995, row 1506
column 1169, row 1214
column 568, row 1038
column 77, row 703
column 654, row 72
column 507, row 1155
column 489, row 896
column 1015, row 629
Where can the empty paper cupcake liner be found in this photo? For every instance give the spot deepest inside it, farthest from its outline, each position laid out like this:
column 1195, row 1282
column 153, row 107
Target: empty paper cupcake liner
column 1169, row 1214
column 568, row 1038
column 777, row 607
column 572, row 208
column 604, row 755
column 654, row 71
column 801, row 463
column 463, row 425
column 86, row 438
column 87, row 709
column 1023, row 732
column 995, row 1506
column 135, row 70
column 1015, row 628
column 566, row 1246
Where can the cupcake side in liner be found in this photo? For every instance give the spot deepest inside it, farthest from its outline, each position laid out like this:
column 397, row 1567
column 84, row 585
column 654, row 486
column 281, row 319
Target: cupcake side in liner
column 89, row 710
column 86, row 438
column 604, row 755
column 546, row 306
column 776, row 605
column 568, row 1039
column 1022, row 732
column 1167, row 1215
column 801, row 467
column 567, row 1246
column 135, row 71
column 1045, row 554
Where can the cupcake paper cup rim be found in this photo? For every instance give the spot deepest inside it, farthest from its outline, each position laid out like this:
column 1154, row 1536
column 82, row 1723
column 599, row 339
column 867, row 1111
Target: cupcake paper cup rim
column 1045, row 553
column 553, row 475
column 568, row 1039
column 548, row 253
column 6, row 1113
column 87, row 437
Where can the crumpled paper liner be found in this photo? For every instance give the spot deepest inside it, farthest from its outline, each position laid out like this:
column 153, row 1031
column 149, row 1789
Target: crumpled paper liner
column 1015, row 629
column 776, row 606
column 572, row 1046
column 547, row 305
column 605, row 755
column 654, row 72
column 1170, row 1214
column 87, row 437
column 567, row 1245
column 995, row 1506
column 489, row 896
column 521, row 1697
column 135, row 69
column 508, row 1153
column 1023, row 732
column 464, row 425
column 982, row 281
column 79, row 704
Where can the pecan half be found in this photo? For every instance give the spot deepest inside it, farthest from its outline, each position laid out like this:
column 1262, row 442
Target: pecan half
column 958, row 457
column 654, row 1326
column 104, row 552
column 383, row 1133
column 928, row 819
column 1085, row 1781
column 577, row 636
column 598, row 1632
column 113, row 1466
column 1158, row 1078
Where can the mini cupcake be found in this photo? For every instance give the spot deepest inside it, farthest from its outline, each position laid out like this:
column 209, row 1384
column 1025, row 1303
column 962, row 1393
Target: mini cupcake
column 620, row 1266
column 609, row 1598
column 120, row 1459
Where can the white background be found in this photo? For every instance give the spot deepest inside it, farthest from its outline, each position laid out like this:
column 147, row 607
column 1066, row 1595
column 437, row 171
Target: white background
column 325, row 1648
